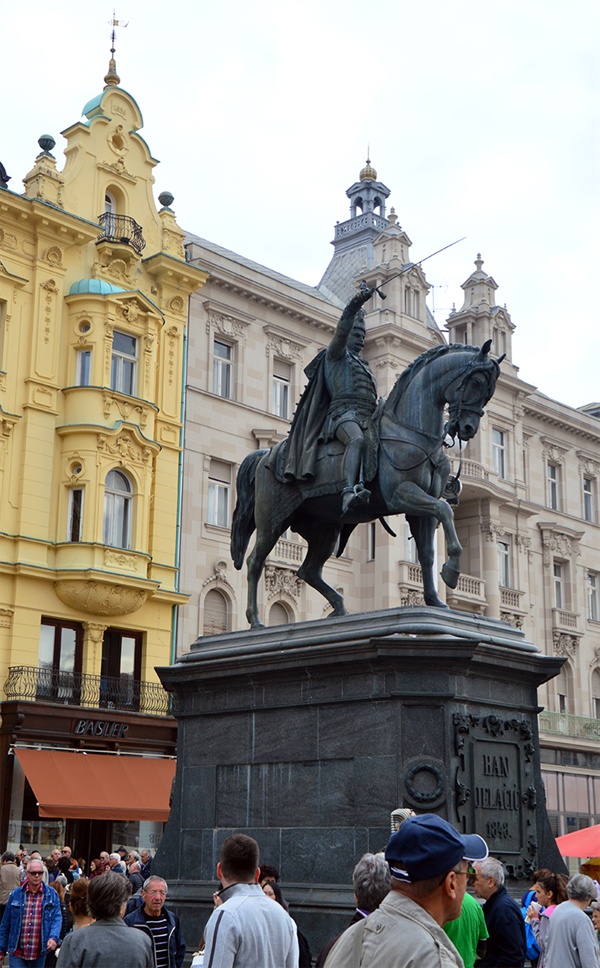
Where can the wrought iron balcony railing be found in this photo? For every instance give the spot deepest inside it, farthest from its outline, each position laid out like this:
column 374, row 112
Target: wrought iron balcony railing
column 121, row 228
column 30, row 684
column 564, row 724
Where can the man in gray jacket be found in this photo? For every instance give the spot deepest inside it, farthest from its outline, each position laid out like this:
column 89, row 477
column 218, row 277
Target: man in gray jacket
column 428, row 862
column 247, row 930
column 108, row 942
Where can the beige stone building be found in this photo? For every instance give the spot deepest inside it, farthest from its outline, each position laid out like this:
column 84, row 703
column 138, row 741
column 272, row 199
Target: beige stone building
column 93, row 308
column 528, row 517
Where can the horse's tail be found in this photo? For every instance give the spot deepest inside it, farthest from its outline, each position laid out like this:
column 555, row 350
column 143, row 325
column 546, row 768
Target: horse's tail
column 243, row 523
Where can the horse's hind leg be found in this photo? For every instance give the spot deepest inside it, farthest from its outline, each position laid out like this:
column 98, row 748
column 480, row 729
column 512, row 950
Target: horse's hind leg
column 423, row 532
column 265, row 541
column 321, row 544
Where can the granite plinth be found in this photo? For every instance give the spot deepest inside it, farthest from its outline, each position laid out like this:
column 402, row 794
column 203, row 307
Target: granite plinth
column 307, row 736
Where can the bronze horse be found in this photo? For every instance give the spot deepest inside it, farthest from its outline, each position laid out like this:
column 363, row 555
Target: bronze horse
column 412, row 474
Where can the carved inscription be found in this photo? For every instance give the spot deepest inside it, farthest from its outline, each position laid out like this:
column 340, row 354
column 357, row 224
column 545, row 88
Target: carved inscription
column 494, row 790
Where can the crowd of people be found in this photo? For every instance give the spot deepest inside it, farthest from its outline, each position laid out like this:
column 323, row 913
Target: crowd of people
column 413, row 910
column 45, row 904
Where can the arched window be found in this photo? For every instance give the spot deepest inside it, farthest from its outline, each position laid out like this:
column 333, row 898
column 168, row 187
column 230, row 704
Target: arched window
column 118, row 498
column 564, row 690
column 216, row 613
column 279, row 615
column 596, row 693
column 110, row 204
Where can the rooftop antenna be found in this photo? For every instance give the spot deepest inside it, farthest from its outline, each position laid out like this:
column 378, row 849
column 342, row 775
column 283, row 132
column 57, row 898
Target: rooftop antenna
column 112, row 79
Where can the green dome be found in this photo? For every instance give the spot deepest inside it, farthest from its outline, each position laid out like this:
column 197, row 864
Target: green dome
column 98, row 286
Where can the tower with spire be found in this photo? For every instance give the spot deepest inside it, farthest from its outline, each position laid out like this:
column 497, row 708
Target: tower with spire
column 354, row 239
column 479, row 318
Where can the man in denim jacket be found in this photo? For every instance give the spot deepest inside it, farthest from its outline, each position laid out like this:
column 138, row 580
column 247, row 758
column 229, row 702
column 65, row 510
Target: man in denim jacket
column 32, row 921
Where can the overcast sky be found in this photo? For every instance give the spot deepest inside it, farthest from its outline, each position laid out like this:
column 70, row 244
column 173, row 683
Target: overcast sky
column 482, row 118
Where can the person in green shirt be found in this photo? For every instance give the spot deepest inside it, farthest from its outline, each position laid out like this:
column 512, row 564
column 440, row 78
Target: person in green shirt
column 468, row 933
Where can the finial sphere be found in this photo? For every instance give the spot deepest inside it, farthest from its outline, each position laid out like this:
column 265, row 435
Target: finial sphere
column 166, row 199
column 46, row 142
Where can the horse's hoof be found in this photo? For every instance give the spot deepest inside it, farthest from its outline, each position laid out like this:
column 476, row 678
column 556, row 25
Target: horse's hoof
column 436, row 603
column 450, row 575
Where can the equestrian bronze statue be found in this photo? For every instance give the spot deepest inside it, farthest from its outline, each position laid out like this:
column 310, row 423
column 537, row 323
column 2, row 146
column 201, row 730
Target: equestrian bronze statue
column 349, row 459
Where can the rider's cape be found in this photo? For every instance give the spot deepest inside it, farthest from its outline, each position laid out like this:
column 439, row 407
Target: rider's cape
column 300, row 461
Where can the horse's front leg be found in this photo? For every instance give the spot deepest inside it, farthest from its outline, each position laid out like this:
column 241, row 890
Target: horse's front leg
column 423, row 532
column 413, row 500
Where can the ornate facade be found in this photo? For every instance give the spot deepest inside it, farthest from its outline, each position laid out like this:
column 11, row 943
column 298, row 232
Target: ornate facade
column 94, row 289
column 528, row 516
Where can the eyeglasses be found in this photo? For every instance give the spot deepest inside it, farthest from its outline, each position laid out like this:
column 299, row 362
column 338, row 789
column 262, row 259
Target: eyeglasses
column 35, row 873
column 157, row 893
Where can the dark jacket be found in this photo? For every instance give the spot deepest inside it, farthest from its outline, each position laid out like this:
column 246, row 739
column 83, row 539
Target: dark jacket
column 176, row 943
column 506, row 945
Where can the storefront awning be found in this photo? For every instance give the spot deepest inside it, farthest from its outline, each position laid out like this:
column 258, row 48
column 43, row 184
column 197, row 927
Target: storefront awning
column 93, row 786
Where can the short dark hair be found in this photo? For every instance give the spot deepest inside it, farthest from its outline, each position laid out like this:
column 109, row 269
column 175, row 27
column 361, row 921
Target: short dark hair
column 239, row 858
column 107, row 894
column 268, row 871
column 8, row 857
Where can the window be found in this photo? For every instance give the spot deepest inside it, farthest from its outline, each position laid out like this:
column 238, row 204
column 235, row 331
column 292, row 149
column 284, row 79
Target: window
column 504, row 577
column 499, row 452
column 75, row 514
column 417, row 305
column 59, row 660
column 222, row 369
column 559, row 585
column 84, row 368
column 123, row 364
column 596, row 694
column 110, row 204
column 118, row 498
column 219, row 486
column 592, row 596
column 563, row 691
column 588, row 499
column 216, row 613
column 120, row 669
column 554, row 487
column 282, row 373
column 410, row 545
column 279, row 615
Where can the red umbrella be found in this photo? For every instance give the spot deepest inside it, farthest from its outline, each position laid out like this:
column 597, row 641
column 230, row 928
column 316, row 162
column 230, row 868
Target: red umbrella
column 581, row 843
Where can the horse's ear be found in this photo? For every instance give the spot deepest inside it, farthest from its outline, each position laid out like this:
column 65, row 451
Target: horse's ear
column 500, row 358
column 486, row 347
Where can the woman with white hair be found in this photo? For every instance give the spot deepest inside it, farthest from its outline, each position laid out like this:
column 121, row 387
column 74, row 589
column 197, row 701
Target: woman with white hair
column 571, row 941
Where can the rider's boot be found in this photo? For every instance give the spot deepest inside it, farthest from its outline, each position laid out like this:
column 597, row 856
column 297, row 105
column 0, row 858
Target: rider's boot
column 354, row 497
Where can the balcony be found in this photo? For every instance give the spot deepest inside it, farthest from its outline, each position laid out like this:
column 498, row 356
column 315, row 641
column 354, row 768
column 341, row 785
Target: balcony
column 123, row 230
column 564, row 724
column 30, row 684
column 469, row 594
column 561, row 619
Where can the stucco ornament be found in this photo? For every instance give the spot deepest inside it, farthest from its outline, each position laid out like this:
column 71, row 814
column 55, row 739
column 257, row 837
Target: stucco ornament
column 99, row 597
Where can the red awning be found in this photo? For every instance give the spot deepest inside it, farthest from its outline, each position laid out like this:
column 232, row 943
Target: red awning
column 94, row 786
column 581, row 843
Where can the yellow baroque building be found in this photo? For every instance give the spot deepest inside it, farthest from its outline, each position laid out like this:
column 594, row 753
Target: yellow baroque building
column 94, row 290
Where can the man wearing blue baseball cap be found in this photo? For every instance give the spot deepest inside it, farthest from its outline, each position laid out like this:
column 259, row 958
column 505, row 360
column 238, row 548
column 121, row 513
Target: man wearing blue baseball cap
column 429, row 865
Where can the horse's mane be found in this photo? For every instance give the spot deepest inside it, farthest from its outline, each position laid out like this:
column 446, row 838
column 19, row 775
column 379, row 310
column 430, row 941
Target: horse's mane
column 414, row 368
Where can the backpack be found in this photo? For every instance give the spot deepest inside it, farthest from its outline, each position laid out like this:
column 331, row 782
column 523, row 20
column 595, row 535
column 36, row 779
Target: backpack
column 533, row 948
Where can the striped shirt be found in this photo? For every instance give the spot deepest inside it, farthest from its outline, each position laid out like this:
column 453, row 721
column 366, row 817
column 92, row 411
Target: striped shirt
column 30, row 939
column 160, row 935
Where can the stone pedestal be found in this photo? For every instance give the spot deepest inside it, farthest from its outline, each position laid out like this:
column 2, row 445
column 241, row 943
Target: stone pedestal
column 307, row 736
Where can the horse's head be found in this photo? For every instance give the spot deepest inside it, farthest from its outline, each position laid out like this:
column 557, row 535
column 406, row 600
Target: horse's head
column 468, row 393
